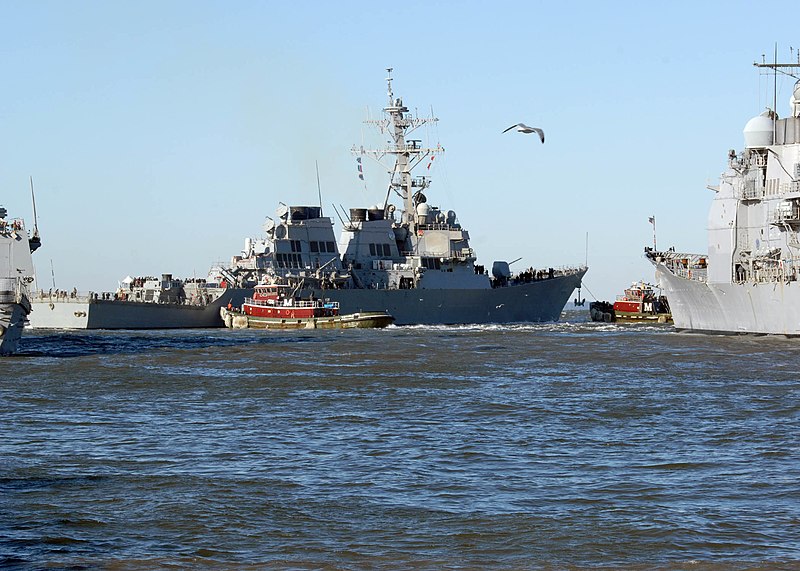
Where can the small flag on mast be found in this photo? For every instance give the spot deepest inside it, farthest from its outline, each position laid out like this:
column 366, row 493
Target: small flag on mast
column 652, row 221
column 431, row 162
column 360, row 169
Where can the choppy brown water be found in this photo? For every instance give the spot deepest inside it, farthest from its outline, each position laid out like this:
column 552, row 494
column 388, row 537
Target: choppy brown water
column 569, row 445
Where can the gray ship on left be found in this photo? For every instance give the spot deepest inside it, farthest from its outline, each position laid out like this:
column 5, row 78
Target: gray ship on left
column 147, row 302
column 16, row 275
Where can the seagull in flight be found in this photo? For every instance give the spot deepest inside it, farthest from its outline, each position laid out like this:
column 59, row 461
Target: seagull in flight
column 523, row 128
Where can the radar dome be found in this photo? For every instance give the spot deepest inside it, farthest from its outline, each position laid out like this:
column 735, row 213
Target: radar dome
column 759, row 130
column 794, row 101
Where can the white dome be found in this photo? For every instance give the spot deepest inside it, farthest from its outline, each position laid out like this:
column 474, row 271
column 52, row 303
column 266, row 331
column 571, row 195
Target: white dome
column 423, row 209
column 759, row 131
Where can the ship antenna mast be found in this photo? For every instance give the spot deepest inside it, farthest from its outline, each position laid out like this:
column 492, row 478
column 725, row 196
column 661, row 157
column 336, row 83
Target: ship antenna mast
column 783, row 68
column 319, row 188
column 408, row 154
column 35, row 218
column 586, row 260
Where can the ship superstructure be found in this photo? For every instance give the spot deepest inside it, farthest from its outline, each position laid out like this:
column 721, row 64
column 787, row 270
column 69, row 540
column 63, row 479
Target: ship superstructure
column 748, row 280
column 300, row 245
column 420, row 247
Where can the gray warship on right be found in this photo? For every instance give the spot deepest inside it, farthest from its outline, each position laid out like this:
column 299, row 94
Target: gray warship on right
column 16, row 275
column 748, row 280
column 415, row 264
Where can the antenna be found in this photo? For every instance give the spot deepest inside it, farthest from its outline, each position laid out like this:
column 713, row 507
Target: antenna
column 337, row 214
column 349, row 220
column 52, row 273
column 319, row 189
column 35, row 219
column 34, row 241
column 586, row 261
column 775, row 92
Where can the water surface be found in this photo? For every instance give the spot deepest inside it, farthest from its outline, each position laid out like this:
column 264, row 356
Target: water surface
column 566, row 445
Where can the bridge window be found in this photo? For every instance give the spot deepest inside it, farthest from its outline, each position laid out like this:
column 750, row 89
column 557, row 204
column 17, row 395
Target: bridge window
column 431, row 263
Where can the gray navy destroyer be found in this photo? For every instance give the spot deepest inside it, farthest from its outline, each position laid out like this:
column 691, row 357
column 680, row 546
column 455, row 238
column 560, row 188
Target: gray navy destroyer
column 414, row 262
column 748, row 280
column 16, row 274
column 146, row 302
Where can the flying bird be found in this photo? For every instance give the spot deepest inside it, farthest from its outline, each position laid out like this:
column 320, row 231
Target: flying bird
column 523, row 128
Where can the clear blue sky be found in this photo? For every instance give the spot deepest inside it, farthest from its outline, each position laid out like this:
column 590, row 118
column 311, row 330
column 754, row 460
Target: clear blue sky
column 160, row 134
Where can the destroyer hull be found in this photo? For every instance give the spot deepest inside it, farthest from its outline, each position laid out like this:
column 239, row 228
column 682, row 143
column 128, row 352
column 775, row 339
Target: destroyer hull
column 765, row 308
column 111, row 314
column 537, row 301
column 12, row 322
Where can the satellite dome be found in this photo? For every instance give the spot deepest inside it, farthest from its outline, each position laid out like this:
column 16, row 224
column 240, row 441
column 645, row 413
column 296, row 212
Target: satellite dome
column 794, row 101
column 759, row 131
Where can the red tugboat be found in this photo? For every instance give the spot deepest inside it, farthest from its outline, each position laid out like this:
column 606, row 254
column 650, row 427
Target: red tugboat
column 639, row 304
column 274, row 306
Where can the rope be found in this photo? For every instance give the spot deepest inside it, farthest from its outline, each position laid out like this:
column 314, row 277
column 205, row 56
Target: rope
column 583, row 284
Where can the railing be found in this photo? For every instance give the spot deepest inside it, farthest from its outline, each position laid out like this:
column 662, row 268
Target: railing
column 750, row 191
column 438, row 226
column 62, row 296
column 288, row 303
column 758, row 270
column 790, row 187
column 753, row 191
column 8, row 227
column 534, row 275
column 770, row 271
column 692, row 273
column 688, row 266
column 71, row 296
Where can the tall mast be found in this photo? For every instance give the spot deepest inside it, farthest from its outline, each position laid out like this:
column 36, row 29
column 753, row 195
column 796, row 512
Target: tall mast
column 408, row 153
column 35, row 219
column 34, row 241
